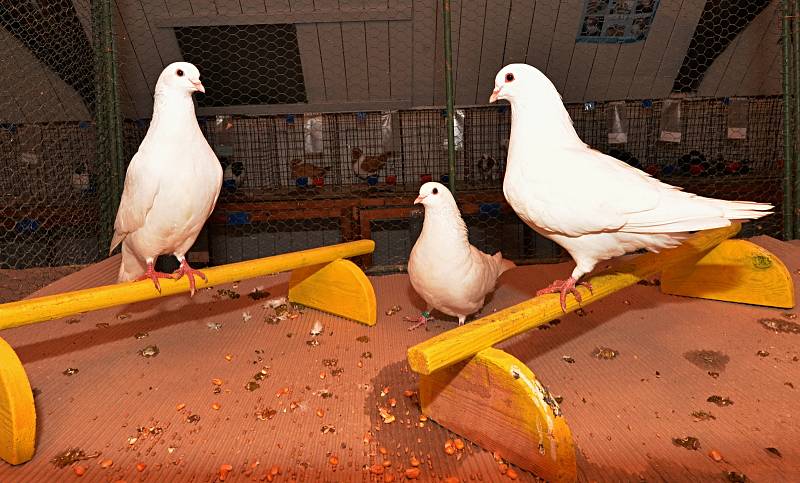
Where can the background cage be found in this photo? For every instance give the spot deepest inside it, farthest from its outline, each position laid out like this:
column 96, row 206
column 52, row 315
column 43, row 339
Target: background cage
column 328, row 115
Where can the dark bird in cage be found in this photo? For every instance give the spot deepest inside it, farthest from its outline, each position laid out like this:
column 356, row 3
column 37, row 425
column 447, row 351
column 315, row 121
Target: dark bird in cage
column 692, row 163
column 365, row 166
column 81, row 181
column 625, row 157
column 232, row 175
column 486, row 167
column 307, row 170
column 738, row 167
column 593, row 205
column 171, row 186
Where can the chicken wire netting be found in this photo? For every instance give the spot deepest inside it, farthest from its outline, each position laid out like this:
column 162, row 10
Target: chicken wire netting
column 55, row 133
column 323, row 130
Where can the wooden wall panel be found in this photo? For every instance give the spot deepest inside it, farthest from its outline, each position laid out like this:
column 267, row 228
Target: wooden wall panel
column 655, row 45
column 685, row 24
column 495, row 30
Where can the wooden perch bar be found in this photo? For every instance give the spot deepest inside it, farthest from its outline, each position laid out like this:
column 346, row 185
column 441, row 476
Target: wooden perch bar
column 464, row 342
column 41, row 309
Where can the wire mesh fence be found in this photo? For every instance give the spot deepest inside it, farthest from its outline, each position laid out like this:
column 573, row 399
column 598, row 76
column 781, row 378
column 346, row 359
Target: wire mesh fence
column 327, row 116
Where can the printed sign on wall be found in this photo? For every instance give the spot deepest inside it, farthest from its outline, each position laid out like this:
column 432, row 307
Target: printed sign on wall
column 616, row 21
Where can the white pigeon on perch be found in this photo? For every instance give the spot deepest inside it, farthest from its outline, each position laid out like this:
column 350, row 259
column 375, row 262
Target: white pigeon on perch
column 451, row 275
column 593, row 205
column 171, row 186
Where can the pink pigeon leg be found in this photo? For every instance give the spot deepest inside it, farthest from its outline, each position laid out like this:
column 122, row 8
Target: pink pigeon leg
column 563, row 287
column 153, row 275
column 420, row 321
column 190, row 272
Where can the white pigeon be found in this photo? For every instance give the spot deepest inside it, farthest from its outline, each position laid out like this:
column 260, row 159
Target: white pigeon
column 593, row 205
column 451, row 275
column 172, row 183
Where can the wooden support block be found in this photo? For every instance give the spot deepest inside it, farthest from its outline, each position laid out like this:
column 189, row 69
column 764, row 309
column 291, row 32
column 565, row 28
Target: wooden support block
column 463, row 342
column 734, row 271
column 494, row 400
column 17, row 411
column 339, row 287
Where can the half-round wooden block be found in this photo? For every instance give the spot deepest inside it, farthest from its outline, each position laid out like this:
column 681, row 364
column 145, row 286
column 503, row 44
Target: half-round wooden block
column 733, row 271
column 496, row 401
column 17, row 412
column 338, row 287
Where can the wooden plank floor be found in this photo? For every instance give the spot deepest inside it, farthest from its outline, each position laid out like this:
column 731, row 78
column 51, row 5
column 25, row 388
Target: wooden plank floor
column 623, row 412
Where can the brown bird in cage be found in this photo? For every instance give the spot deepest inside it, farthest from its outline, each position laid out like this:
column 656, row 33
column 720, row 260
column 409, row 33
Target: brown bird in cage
column 307, row 170
column 364, row 166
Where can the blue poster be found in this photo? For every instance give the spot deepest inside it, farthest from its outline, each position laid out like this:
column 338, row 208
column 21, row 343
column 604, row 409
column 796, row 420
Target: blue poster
column 616, row 21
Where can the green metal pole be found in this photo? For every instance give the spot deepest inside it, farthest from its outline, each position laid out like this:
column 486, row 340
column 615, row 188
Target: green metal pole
column 788, row 141
column 448, row 69
column 108, row 127
column 796, row 93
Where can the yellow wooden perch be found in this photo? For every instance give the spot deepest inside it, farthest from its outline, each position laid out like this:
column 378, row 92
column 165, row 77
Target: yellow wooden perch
column 490, row 397
column 321, row 279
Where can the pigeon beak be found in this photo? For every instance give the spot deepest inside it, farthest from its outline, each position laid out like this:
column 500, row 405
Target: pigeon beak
column 495, row 93
column 419, row 199
column 199, row 86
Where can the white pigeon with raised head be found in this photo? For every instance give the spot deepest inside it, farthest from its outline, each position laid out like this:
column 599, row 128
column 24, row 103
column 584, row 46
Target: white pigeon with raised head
column 450, row 274
column 593, row 205
column 171, row 185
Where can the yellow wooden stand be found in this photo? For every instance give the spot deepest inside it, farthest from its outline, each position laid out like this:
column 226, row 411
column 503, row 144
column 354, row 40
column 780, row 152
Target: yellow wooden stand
column 321, row 279
column 493, row 399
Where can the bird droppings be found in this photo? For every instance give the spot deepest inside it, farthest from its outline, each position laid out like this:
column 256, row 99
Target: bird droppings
column 393, row 310
column 688, row 442
column 762, row 353
column 581, row 313
column 713, row 374
column 568, row 359
column 258, row 294
column 649, row 283
column 774, row 452
column 736, row 477
column 266, row 414
column 605, row 353
column 246, row 316
column 193, row 418
column 719, row 400
column 214, row 325
column 102, row 325
column 317, row 328
column 72, row 321
column 366, row 355
column 708, row 360
column 141, row 335
column 703, row 416
column 788, row 384
column 780, row 325
column 362, row 338
column 149, row 351
column 715, row 455
column 313, row 342
column 226, row 292
column 326, row 429
column 70, row 371
column 71, row 456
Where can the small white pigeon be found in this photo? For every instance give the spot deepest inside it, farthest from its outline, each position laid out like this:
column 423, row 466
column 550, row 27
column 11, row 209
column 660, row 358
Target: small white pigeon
column 593, row 205
column 451, row 275
column 172, row 183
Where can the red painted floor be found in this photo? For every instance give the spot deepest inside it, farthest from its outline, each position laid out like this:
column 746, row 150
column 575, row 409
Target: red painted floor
column 318, row 404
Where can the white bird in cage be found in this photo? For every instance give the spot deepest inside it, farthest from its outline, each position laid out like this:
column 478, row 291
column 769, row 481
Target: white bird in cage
column 172, row 183
column 451, row 275
column 595, row 206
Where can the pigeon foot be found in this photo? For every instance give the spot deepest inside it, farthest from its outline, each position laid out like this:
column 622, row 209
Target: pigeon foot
column 563, row 287
column 190, row 274
column 420, row 321
column 154, row 276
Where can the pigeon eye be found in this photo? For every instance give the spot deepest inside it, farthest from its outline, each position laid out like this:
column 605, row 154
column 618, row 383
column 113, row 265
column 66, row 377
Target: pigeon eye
column 435, row 191
column 509, row 77
column 179, row 72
